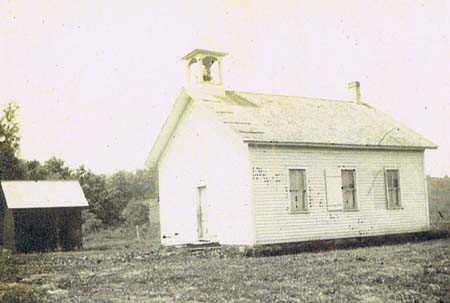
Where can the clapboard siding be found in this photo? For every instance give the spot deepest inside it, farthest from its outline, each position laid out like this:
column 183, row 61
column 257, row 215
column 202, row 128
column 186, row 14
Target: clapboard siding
column 275, row 224
column 205, row 152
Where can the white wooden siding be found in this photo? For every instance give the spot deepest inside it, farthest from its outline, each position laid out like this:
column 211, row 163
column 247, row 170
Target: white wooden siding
column 205, row 152
column 275, row 224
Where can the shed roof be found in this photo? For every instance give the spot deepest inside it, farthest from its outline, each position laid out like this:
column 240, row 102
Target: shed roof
column 275, row 119
column 43, row 194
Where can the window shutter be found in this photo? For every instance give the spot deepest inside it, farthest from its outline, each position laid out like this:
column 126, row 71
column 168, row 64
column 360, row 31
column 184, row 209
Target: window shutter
column 386, row 189
column 334, row 189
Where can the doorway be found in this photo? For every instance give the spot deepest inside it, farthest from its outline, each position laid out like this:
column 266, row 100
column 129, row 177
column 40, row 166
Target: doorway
column 202, row 214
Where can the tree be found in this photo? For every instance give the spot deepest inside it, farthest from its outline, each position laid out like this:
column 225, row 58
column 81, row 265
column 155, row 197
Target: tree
column 91, row 224
column 144, row 184
column 36, row 171
column 9, row 127
column 136, row 214
column 121, row 186
column 108, row 196
column 57, row 169
column 11, row 167
column 102, row 202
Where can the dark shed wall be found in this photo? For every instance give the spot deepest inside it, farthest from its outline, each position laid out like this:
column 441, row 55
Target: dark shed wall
column 45, row 229
column 35, row 230
column 2, row 220
column 9, row 239
column 2, row 216
column 7, row 233
column 69, row 228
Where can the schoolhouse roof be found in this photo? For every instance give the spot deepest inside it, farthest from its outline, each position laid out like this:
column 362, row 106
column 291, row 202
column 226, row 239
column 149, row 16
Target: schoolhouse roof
column 43, row 194
column 288, row 120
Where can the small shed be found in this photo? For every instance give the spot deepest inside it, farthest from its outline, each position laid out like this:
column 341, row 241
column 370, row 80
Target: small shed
column 41, row 215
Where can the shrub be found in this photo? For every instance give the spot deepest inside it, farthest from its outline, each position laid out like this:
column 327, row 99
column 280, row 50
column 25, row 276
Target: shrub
column 136, row 213
column 91, row 224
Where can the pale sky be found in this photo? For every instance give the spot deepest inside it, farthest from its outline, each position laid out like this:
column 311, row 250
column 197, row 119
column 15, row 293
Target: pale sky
column 96, row 79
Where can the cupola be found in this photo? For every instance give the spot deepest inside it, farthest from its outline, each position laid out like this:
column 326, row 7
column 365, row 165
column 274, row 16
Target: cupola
column 205, row 70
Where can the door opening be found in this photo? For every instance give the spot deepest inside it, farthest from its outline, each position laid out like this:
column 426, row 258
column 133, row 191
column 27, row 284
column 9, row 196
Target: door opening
column 202, row 214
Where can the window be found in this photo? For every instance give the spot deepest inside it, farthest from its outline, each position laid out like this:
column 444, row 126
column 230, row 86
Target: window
column 348, row 188
column 393, row 189
column 297, row 190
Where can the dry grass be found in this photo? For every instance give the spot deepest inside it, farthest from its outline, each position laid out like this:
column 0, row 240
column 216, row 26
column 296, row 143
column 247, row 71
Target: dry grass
column 440, row 215
column 115, row 268
column 139, row 272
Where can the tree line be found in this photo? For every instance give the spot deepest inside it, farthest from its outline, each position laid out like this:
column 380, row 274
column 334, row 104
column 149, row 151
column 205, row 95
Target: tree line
column 439, row 189
column 108, row 195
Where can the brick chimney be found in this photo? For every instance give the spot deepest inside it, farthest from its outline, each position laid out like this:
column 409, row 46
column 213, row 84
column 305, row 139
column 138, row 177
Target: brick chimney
column 354, row 92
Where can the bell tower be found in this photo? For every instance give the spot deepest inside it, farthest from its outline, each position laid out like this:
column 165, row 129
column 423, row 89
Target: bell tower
column 205, row 71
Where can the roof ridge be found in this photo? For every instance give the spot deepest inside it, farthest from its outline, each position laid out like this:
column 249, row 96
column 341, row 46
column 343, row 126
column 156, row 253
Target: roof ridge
column 291, row 96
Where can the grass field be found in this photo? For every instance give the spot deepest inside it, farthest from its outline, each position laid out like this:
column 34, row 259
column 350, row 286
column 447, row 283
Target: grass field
column 114, row 267
column 137, row 272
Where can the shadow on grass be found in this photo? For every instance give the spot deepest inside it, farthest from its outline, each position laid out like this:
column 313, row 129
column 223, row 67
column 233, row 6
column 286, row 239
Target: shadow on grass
column 325, row 245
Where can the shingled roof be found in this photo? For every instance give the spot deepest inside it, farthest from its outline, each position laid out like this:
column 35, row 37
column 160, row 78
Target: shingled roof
column 288, row 120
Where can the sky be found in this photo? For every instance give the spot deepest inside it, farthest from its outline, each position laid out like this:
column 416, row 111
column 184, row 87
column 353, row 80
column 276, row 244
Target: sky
column 95, row 80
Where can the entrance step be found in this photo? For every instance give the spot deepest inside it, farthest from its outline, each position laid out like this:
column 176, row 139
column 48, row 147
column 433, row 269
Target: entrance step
column 202, row 246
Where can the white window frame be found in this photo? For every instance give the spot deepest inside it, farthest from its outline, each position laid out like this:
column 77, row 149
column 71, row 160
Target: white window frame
column 356, row 198
column 386, row 189
column 306, row 209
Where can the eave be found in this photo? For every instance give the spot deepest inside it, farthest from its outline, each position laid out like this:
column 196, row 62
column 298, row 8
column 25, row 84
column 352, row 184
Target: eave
column 338, row 145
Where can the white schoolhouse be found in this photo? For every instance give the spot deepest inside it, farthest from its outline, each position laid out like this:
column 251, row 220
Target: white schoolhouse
column 244, row 168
